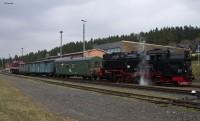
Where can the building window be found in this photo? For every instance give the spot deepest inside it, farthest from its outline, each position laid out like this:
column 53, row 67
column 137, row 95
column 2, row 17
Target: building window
column 113, row 50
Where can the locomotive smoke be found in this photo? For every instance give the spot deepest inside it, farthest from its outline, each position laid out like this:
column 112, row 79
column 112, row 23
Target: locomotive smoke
column 143, row 69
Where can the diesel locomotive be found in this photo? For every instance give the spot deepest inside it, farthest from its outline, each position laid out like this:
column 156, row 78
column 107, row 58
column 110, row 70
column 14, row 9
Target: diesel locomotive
column 159, row 66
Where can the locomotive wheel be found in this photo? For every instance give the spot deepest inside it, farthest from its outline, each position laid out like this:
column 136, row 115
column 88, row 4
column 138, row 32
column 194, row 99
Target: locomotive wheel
column 114, row 79
column 98, row 78
column 176, row 84
column 84, row 77
column 137, row 80
column 68, row 77
column 93, row 77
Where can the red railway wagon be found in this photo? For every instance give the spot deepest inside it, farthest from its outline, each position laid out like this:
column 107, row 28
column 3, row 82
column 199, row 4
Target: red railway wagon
column 14, row 68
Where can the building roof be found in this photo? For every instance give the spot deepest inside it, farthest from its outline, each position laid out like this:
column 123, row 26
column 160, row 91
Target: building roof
column 164, row 46
column 128, row 46
column 109, row 45
column 75, row 53
column 70, row 59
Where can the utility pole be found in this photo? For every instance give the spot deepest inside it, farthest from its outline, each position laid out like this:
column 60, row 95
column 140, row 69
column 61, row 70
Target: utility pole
column 9, row 57
column 84, row 21
column 10, row 60
column 198, row 53
column 22, row 51
column 61, row 32
column 2, row 62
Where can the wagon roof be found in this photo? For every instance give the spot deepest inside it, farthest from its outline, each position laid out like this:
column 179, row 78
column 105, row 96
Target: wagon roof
column 47, row 60
column 74, row 59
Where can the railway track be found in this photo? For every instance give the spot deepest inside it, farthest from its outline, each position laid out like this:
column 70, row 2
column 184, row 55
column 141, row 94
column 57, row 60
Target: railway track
column 150, row 98
column 177, row 90
column 195, row 86
column 186, row 90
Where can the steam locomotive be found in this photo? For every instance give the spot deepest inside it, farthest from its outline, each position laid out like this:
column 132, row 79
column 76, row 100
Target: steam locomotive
column 157, row 66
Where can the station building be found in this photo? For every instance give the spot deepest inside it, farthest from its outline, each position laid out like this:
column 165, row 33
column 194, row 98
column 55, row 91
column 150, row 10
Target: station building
column 121, row 46
column 128, row 46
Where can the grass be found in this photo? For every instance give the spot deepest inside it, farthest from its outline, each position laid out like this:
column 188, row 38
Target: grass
column 196, row 69
column 14, row 106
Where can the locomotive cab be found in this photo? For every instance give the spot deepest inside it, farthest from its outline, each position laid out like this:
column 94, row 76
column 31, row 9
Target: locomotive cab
column 171, row 68
column 181, row 71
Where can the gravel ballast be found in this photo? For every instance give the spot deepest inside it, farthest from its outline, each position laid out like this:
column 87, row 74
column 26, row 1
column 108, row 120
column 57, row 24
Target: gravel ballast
column 90, row 106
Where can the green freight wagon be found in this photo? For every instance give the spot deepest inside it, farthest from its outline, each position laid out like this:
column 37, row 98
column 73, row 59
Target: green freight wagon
column 32, row 67
column 84, row 67
column 27, row 68
column 44, row 67
column 22, row 68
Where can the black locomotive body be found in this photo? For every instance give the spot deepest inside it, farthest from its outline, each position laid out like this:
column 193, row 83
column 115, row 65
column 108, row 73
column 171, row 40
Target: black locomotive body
column 159, row 66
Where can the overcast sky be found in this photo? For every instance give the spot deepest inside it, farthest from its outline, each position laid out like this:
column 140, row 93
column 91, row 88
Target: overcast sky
column 35, row 24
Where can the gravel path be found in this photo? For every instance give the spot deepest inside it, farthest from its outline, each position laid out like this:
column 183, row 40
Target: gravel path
column 89, row 106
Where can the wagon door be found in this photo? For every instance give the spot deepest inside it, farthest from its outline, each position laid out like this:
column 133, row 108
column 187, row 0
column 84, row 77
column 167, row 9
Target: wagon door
column 80, row 68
